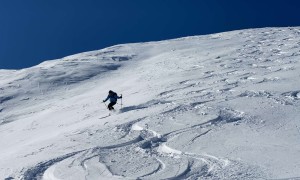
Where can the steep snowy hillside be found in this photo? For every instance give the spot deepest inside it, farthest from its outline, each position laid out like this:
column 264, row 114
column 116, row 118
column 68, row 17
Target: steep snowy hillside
column 221, row 106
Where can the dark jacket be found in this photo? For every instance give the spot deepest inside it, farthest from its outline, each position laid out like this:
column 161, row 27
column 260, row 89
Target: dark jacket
column 113, row 97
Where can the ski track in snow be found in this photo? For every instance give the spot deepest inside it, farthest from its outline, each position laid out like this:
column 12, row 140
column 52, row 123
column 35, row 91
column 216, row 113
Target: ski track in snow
column 219, row 106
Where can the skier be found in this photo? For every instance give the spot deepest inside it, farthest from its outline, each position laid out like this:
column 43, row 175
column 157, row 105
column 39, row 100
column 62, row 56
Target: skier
column 113, row 98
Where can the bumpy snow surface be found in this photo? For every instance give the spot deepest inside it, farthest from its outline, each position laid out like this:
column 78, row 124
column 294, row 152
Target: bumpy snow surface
column 221, row 106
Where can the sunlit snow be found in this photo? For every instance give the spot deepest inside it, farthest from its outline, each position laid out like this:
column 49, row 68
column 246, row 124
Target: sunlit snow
column 221, row 106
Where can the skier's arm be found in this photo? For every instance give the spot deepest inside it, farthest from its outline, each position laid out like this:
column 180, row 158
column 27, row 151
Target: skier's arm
column 106, row 99
column 119, row 97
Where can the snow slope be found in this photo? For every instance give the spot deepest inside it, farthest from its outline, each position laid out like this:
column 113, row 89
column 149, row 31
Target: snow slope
column 221, row 106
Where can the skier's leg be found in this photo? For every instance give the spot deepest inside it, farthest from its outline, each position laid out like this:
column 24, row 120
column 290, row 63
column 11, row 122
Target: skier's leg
column 112, row 104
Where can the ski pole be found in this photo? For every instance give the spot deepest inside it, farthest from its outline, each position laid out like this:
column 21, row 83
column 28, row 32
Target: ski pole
column 121, row 101
column 105, row 105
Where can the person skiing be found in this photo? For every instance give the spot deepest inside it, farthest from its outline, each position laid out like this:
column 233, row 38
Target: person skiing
column 113, row 98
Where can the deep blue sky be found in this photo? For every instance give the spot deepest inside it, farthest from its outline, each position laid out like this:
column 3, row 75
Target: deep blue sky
column 32, row 31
